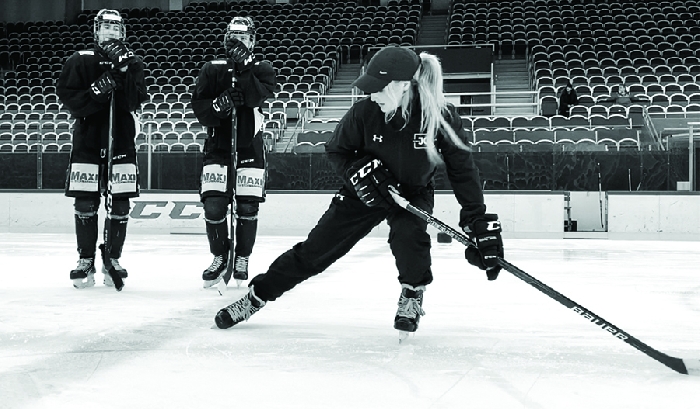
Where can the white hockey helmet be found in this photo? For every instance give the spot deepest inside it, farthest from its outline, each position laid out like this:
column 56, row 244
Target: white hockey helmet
column 109, row 25
column 243, row 29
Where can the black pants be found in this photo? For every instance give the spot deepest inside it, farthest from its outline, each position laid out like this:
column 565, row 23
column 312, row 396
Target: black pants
column 346, row 221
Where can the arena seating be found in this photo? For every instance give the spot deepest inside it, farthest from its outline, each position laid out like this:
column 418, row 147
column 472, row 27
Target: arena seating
column 649, row 47
column 174, row 45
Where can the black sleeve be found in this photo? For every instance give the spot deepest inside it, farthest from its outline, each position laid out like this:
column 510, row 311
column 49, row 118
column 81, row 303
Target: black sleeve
column 73, row 88
column 346, row 146
column 257, row 84
column 134, row 86
column 203, row 96
column 461, row 171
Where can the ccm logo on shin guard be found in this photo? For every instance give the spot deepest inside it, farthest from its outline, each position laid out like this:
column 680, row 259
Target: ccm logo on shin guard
column 617, row 333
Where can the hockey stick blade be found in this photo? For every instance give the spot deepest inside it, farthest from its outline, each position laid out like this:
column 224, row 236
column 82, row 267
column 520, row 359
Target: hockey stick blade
column 687, row 366
column 116, row 278
column 223, row 283
column 113, row 274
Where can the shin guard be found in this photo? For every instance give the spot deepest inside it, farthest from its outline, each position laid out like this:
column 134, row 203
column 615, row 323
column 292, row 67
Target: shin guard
column 118, row 228
column 86, row 233
column 246, row 230
column 217, row 233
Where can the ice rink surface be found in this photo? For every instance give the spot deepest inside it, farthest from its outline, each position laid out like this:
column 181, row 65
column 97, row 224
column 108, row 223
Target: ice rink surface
column 329, row 343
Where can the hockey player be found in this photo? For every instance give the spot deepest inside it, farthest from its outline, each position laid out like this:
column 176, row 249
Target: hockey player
column 394, row 138
column 89, row 79
column 236, row 85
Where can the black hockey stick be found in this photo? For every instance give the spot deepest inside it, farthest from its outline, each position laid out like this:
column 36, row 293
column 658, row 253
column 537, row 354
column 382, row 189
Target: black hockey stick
column 106, row 247
column 600, row 196
column 233, row 174
column 683, row 366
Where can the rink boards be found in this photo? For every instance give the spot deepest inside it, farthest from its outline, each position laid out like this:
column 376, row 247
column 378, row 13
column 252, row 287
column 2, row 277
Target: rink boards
column 524, row 214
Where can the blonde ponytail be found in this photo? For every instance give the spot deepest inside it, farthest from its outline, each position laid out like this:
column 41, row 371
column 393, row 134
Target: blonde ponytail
column 433, row 104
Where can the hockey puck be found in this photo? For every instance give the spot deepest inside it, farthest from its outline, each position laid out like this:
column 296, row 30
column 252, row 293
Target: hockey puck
column 443, row 238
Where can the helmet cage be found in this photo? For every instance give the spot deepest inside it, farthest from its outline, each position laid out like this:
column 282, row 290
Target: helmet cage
column 108, row 17
column 241, row 26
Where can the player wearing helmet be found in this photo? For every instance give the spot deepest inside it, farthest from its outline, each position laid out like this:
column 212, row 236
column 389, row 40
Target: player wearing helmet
column 236, row 85
column 88, row 81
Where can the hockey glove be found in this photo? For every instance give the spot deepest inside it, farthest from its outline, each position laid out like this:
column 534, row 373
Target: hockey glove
column 102, row 87
column 485, row 232
column 118, row 78
column 228, row 99
column 238, row 52
column 118, row 53
column 371, row 181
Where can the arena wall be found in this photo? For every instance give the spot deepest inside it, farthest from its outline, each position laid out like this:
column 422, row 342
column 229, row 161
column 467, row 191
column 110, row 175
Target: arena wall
column 524, row 214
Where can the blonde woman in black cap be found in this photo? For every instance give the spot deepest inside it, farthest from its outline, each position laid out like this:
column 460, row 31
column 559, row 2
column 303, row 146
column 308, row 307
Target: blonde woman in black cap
column 394, row 138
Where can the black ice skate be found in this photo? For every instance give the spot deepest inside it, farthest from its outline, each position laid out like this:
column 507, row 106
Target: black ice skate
column 122, row 273
column 84, row 274
column 410, row 310
column 215, row 271
column 240, row 269
column 239, row 311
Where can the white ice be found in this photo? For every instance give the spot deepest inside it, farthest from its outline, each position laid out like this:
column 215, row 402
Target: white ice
column 329, row 343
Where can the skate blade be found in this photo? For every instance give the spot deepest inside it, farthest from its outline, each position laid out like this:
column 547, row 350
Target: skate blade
column 212, row 283
column 80, row 284
column 222, row 287
column 403, row 335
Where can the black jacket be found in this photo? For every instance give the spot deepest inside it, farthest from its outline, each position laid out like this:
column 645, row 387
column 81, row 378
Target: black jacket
column 363, row 131
column 92, row 117
column 257, row 84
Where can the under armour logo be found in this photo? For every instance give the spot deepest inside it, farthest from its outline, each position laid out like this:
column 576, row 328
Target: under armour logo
column 377, row 138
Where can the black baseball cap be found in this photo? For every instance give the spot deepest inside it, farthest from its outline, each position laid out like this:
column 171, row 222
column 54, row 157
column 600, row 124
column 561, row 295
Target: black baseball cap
column 388, row 64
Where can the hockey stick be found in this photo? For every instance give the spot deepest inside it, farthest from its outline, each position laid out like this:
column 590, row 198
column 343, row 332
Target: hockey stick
column 600, row 197
column 683, row 366
column 222, row 286
column 106, row 247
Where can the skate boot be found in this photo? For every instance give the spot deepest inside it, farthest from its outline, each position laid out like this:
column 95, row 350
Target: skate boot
column 84, row 274
column 215, row 271
column 239, row 311
column 122, row 272
column 410, row 310
column 240, row 269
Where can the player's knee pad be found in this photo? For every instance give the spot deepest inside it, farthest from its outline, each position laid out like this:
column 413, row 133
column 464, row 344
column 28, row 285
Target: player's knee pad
column 86, row 207
column 247, row 210
column 215, row 209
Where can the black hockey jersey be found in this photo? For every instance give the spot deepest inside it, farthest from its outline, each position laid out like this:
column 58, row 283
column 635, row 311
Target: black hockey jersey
column 257, row 84
column 363, row 131
column 92, row 117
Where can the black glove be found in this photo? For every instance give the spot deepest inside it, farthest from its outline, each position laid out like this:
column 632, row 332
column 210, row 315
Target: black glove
column 118, row 78
column 102, row 87
column 118, row 53
column 238, row 52
column 371, row 181
column 485, row 231
column 228, row 99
